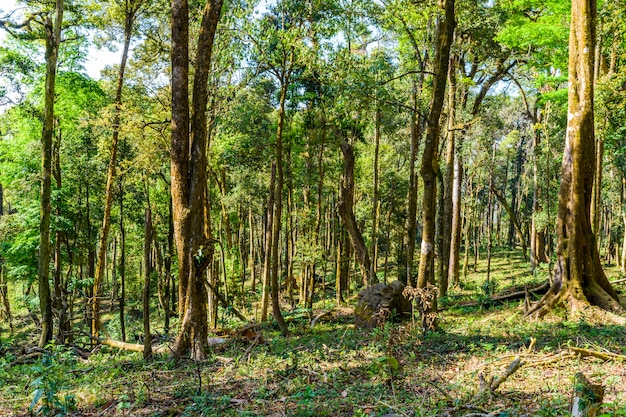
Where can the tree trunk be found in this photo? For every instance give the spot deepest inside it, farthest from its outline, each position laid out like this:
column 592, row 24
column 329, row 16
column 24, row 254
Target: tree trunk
column 519, row 162
column 252, row 254
column 622, row 200
column 345, row 207
column 455, row 232
column 578, row 275
column 188, row 173
column 147, row 268
column 514, row 220
column 374, row 213
column 278, row 208
column 5, row 306
column 444, row 34
column 597, row 188
column 490, row 212
column 344, row 253
column 129, row 18
column 411, row 237
column 53, row 41
column 122, row 265
column 448, row 184
column 267, row 260
column 60, row 300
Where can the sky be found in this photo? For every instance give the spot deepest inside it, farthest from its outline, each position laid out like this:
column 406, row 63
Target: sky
column 97, row 58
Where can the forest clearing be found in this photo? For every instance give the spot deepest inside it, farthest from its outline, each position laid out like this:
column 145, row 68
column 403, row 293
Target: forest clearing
column 335, row 369
column 373, row 208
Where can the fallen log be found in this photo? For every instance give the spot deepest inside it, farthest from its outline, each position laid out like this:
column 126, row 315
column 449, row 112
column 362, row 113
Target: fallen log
column 605, row 356
column 133, row 347
column 492, row 385
column 502, row 297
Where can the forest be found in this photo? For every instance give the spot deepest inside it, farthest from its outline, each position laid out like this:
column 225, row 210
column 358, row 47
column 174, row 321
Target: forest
column 313, row 208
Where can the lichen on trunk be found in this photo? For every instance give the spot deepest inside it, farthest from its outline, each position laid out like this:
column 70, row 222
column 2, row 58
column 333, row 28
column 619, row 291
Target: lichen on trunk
column 578, row 278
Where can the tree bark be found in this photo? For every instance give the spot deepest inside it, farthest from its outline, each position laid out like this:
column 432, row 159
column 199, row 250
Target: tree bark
column 345, row 207
column 455, row 233
column 267, row 260
column 278, row 206
column 578, row 275
column 416, row 134
column 122, row 265
column 188, row 173
column 5, row 306
column 444, row 35
column 344, row 253
column 147, row 270
column 53, row 41
column 130, row 14
column 448, row 188
column 374, row 212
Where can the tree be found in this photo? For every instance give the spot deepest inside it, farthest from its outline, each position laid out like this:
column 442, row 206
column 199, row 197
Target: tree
column 444, row 35
column 578, row 275
column 188, row 172
column 53, row 41
column 130, row 13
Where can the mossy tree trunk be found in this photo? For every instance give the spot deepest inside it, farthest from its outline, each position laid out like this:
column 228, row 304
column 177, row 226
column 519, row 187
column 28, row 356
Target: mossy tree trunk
column 444, row 35
column 53, row 41
column 5, row 306
column 147, row 271
column 578, row 275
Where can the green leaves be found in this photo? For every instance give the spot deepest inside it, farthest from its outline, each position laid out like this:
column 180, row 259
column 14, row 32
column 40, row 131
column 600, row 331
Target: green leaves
column 538, row 31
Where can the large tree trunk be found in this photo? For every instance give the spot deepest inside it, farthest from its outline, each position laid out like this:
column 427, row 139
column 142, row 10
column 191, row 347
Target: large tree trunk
column 444, row 35
column 53, row 41
column 188, row 173
column 578, row 275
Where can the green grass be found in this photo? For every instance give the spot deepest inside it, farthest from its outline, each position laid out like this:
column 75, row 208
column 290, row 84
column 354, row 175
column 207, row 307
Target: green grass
column 334, row 369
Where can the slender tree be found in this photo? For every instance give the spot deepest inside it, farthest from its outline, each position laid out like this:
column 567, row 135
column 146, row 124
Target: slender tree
column 52, row 29
column 131, row 11
column 443, row 41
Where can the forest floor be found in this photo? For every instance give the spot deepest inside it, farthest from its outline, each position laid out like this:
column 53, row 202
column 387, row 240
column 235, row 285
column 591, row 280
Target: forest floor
column 334, row 369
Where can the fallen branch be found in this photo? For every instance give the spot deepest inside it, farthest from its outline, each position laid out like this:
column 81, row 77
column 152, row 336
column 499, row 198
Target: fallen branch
column 133, row 347
column 226, row 304
column 514, row 366
column 499, row 298
column 605, row 356
column 319, row 316
column 494, row 384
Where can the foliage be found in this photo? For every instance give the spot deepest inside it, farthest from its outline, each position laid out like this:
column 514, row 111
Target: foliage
column 50, row 381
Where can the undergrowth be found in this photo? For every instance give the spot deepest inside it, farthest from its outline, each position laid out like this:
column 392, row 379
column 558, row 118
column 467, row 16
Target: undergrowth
column 331, row 369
